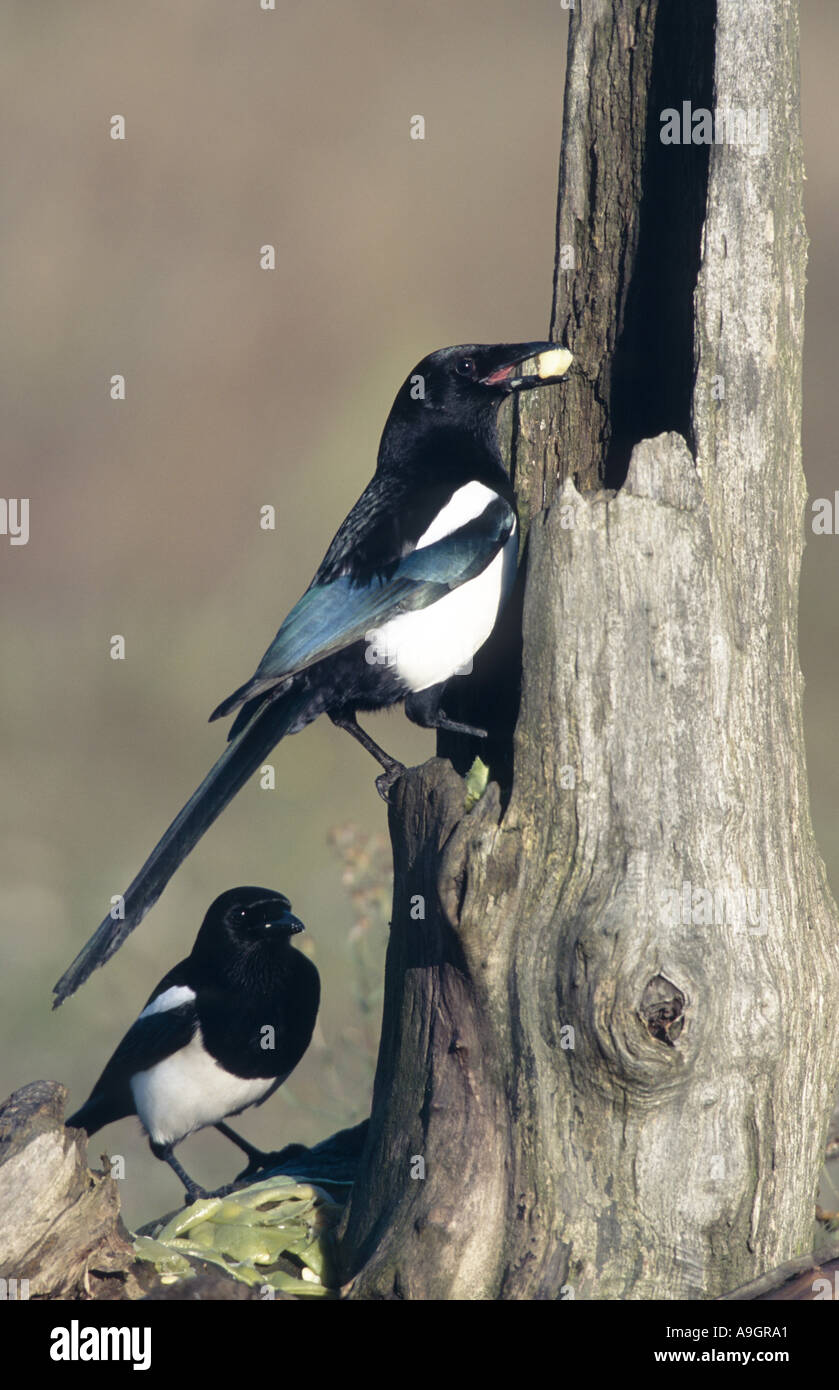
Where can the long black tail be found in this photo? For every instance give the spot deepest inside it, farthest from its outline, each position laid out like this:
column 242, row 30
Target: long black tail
column 237, row 763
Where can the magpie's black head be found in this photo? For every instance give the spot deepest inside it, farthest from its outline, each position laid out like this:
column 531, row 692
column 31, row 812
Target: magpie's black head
column 475, row 377
column 245, row 918
column 465, row 385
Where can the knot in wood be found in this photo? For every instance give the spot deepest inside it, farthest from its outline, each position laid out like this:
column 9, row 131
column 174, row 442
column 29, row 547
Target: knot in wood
column 663, row 1010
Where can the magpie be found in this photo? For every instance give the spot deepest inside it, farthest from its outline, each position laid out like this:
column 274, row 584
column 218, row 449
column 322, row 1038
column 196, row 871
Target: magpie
column 220, row 1032
column 408, row 591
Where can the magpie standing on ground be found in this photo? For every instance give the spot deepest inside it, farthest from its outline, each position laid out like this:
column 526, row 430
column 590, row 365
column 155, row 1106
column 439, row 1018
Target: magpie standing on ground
column 407, row 592
column 221, row 1032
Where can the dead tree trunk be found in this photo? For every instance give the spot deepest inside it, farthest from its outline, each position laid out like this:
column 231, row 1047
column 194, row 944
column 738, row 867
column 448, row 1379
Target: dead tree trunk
column 610, row 1045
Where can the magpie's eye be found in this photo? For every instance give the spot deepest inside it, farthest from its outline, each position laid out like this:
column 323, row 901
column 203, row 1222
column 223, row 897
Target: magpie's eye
column 465, row 366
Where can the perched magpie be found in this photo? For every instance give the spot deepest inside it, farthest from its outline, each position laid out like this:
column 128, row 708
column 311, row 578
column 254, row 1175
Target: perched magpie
column 221, row 1031
column 407, row 592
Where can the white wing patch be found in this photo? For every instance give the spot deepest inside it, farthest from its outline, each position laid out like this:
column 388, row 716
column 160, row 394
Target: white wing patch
column 171, row 998
column 434, row 643
column 188, row 1090
column 464, row 505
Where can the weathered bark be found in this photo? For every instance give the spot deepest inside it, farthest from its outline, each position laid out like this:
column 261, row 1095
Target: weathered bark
column 60, row 1231
column 615, row 1097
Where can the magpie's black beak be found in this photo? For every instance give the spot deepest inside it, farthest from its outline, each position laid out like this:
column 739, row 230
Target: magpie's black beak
column 278, row 913
column 288, row 922
column 530, row 365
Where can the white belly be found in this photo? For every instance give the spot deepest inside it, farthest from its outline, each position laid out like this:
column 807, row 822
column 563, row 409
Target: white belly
column 434, row 643
column 189, row 1090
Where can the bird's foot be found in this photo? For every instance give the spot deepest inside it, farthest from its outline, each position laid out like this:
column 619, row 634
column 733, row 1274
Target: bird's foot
column 200, row 1194
column 386, row 780
column 194, row 1193
column 260, row 1161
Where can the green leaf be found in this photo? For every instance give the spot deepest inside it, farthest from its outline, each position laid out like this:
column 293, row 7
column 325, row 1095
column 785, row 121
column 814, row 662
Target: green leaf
column 477, row 779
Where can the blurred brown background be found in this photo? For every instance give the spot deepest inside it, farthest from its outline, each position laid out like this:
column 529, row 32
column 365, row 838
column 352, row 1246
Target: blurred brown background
column 247, row 387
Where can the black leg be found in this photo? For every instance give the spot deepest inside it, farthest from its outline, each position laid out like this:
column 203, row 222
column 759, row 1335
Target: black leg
column 275, row 1159
column 423, row 707
column 392, row 768
column 252, row 1152
column 259, row 1158
column 194, row 1193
